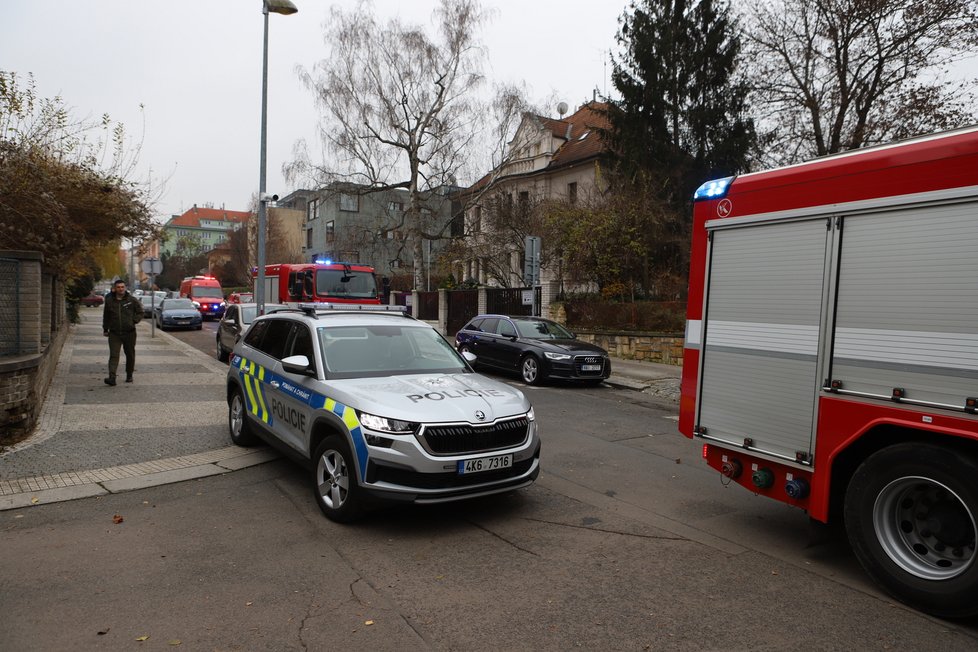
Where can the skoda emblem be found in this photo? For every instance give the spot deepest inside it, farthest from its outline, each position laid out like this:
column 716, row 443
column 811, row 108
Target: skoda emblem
column 480, row 415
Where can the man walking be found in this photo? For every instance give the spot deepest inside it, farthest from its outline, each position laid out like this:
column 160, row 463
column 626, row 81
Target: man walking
column 119, row 318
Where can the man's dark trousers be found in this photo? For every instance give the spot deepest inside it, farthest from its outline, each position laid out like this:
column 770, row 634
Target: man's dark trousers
column 127, row 342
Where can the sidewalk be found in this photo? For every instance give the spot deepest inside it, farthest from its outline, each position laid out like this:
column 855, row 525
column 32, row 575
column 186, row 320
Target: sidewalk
column 168, row 426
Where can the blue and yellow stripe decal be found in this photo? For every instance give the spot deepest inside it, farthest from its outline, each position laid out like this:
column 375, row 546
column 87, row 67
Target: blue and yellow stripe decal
column 253, row 376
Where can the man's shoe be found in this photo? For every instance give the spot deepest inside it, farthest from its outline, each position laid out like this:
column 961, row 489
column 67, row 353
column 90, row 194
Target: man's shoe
column 128, row 378
column 110, row 381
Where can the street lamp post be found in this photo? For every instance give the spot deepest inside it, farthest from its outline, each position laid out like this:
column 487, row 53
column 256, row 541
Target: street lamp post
column 284, row 7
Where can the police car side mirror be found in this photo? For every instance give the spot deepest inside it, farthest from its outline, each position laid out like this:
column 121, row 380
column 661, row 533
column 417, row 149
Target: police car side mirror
column 298, row 364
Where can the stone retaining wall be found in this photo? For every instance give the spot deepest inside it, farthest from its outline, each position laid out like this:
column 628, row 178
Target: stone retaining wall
column 652, row 347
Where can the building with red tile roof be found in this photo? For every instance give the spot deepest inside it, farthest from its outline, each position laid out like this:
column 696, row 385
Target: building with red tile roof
column 204, row 226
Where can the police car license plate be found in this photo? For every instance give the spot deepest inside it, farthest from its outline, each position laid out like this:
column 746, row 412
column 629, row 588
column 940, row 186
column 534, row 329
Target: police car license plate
column 481, row 464
column 590, row 367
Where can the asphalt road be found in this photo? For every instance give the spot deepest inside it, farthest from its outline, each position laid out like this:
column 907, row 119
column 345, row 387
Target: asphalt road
column 627, row 542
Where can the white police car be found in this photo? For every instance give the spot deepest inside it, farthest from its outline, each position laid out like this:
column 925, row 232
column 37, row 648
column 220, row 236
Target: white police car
column 378, row 405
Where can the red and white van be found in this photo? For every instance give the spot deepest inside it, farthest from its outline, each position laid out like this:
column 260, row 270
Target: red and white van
column 206, row 292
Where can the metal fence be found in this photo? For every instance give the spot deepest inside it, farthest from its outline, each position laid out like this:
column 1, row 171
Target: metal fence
column 512, row 301
column 463, row 305
column 10, row 298
column 428, row 305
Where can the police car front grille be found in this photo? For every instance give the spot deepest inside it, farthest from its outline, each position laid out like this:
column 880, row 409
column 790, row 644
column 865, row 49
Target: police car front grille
column 465, row 438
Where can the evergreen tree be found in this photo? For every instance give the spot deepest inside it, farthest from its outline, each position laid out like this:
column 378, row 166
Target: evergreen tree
column 681, row 119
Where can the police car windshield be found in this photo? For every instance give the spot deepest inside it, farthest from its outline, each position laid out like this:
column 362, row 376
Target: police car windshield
column 386, row 350
column 352, row 285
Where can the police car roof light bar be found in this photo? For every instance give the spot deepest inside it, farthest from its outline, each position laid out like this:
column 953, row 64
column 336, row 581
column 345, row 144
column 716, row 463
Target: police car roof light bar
column 312, row 309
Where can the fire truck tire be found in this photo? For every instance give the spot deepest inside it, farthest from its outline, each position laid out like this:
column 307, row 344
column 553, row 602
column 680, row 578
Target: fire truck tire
column 911, row 514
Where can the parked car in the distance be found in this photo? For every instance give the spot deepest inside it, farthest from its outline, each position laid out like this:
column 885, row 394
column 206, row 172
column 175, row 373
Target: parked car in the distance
column 534, row 347
column 93, row 300
column 149, row 303
column 177, row 313
column 241, row 297
column 237, row 317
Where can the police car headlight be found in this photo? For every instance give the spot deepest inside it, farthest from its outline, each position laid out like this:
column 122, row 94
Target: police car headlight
column 383, row 424
column 556, row 356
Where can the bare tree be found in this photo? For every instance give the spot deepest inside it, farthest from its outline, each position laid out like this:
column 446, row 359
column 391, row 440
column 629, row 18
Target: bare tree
column 835, row 75
column 65, row 184
column 400, row 106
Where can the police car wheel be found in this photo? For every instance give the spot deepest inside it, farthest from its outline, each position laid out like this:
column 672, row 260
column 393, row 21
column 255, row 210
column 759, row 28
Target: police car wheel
column 241, row 431
column 530, row 370
column 334, row 481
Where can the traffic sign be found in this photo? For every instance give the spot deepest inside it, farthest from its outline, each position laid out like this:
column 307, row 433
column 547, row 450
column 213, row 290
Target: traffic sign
column 151, row 266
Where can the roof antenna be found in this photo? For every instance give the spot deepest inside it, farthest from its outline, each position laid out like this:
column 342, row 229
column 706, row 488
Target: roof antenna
column 562, row 109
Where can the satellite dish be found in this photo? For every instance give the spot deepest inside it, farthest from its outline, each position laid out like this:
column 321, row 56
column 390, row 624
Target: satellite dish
column 562, row 109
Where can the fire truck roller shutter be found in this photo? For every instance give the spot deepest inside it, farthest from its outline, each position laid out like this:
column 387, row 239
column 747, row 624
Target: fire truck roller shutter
column 907, row 313
column 761, row 339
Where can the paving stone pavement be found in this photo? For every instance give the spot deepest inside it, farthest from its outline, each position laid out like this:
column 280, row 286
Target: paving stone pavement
column 169, row 424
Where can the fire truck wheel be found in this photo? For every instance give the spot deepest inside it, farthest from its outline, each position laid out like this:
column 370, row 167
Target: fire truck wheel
column 911, row 512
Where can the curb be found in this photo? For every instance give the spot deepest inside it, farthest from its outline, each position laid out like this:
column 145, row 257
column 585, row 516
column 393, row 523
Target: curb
column 26, row 492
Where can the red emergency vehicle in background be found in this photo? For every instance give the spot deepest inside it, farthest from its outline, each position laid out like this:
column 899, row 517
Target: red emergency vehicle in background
column 831, row 353
column 206, row 292
column 321, row 282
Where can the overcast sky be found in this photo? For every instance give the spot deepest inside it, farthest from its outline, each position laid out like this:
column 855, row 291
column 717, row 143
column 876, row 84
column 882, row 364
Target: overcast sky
column 195, row 67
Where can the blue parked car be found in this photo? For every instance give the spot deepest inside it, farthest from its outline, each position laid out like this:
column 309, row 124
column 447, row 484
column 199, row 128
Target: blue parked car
column 178, row 313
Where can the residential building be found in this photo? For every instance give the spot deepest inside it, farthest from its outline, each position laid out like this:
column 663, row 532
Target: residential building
column 200, row 228
column 346, row 223
column 548, row 159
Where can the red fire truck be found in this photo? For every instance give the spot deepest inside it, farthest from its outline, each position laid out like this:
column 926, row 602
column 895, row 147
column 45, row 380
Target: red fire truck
column 831, row 354
column 321, row 282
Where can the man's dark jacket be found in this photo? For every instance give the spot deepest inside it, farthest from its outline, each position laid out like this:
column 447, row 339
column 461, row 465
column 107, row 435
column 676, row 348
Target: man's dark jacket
column 121, row 315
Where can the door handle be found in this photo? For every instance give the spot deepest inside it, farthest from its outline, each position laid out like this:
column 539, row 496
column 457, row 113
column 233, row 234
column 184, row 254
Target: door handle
column 274, row 383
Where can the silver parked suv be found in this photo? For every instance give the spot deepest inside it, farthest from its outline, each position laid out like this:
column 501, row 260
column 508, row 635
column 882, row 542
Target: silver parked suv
column 377, row 405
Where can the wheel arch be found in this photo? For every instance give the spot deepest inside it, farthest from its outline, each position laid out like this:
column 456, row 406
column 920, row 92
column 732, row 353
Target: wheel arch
column 877, row 438
column 329, row 424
